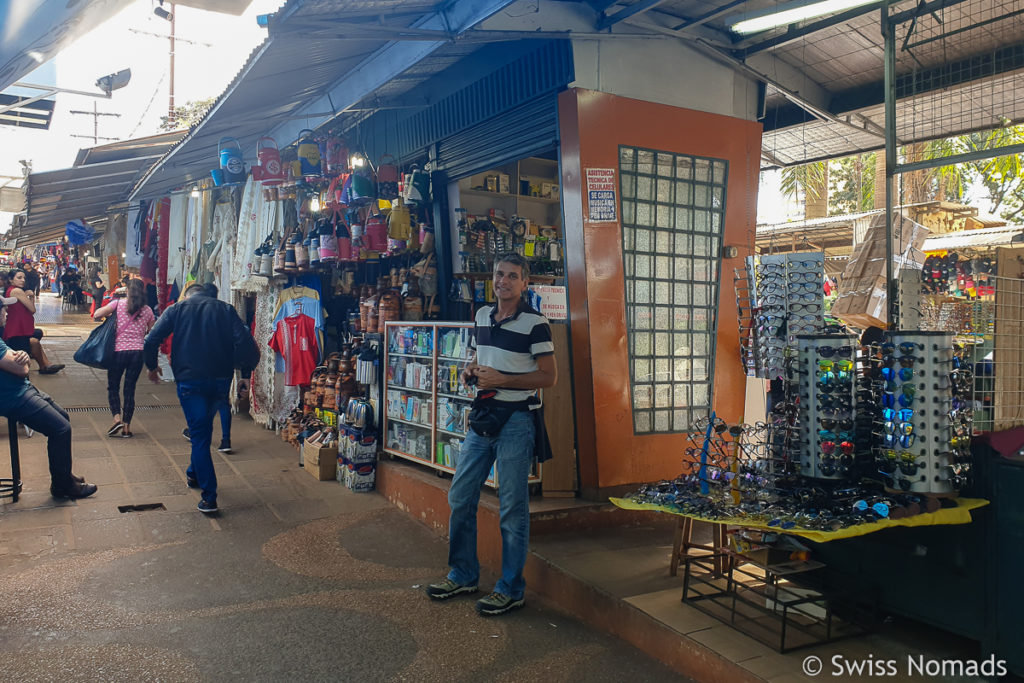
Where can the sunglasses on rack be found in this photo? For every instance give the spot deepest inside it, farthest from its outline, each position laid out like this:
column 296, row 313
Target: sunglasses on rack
column 803, row 296
column 804, row 287
column 804, row 276
column 830, row 351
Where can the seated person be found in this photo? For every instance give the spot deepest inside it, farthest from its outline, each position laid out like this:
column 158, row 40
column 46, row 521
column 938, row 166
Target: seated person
column 22, row 402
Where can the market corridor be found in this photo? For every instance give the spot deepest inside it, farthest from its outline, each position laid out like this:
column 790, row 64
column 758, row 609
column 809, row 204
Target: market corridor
column 295, row 580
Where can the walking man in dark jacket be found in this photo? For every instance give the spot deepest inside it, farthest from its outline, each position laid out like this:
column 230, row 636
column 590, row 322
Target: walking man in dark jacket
column 210, row 341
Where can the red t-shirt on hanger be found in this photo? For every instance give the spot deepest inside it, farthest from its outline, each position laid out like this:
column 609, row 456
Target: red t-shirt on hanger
column 295, row 339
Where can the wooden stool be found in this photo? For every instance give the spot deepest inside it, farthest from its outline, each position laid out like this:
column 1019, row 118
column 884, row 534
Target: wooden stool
column 12, row 487
column 682, row 544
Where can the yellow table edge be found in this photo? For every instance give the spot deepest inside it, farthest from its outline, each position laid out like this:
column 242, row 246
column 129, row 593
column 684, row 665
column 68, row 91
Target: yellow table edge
column 961, row 514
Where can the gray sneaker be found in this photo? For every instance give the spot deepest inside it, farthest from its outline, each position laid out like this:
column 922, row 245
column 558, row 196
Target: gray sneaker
column 448, row 589
column 498, row 603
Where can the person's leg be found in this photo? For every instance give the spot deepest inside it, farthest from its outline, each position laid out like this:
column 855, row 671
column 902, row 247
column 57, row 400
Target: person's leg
column 39, row 412
column 514, row 448
column 114, row 374
column 133, row 369
column 198, row 405
column 225, row 419
column 475, row 459
column 36, row 351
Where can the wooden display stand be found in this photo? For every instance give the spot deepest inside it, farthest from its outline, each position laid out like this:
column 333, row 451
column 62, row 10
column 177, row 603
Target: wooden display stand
column 682, row 544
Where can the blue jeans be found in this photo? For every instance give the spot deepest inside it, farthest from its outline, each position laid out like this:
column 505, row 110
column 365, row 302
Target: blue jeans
column 39, row 412
column 513, row 449
column 200, row 400
column 224, row 409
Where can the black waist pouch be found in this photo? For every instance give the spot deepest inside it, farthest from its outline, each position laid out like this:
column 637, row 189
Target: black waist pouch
column 487, row 416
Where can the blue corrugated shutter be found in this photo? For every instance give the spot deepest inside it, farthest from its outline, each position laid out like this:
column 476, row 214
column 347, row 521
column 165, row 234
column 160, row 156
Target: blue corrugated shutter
column 528, row 129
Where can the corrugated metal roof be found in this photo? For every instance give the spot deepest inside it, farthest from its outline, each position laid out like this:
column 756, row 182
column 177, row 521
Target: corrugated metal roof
column 86, row 191
column 983, row 237
column 313, row 46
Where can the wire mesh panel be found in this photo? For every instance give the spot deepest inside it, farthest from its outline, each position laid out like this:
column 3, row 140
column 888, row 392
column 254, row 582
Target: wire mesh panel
column 673, row 212
column 957, row 71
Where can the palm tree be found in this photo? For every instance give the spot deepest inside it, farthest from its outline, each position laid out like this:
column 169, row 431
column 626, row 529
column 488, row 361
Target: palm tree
column 809, row 181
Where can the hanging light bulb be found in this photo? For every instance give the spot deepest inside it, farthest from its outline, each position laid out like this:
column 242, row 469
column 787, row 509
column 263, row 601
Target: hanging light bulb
column 314, row 204
column 356, row 161
column 195, row 191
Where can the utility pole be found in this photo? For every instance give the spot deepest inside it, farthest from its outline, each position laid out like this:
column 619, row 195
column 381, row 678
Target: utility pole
column 170, row 102
column 95, row 114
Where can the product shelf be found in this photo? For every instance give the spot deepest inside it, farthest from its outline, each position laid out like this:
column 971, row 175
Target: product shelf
column 447, row 441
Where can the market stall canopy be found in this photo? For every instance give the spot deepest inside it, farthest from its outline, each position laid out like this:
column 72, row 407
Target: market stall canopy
column 35, row 31
column 320, row 59
column 100, row 179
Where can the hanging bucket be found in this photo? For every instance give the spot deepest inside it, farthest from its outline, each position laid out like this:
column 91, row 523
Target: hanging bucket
column 269, row 160
column 375, row 234
column 309, row 154
column 231, row 163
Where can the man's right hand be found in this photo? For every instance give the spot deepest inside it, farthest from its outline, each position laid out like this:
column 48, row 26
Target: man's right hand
column 21, row 357
column 155, row 375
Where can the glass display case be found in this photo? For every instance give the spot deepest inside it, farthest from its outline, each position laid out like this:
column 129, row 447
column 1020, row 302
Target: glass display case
column 426, row 407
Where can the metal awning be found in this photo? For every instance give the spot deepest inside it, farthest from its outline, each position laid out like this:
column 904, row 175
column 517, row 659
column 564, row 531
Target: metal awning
column 102, row 179
column 984, row 237
column 322, row 59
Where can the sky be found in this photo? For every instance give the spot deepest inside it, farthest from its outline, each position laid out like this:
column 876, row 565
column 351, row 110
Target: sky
column 201, row 71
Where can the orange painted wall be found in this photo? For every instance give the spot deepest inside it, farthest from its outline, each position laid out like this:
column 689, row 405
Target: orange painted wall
column 593, row 125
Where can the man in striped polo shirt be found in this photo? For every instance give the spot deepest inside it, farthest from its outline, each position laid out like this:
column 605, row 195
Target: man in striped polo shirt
column 514, row 358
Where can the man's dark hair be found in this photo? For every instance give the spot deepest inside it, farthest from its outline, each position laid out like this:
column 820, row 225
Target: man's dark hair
column 211, row 290
column 516, row 260
column 194, row 288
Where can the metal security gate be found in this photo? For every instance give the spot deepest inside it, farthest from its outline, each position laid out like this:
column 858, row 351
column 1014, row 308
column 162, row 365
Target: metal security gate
column 526, row 130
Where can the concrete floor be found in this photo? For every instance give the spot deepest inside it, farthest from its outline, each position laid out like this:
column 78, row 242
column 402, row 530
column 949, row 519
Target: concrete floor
column 295, row 580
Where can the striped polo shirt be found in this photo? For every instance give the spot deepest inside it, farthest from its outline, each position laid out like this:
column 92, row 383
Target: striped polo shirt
column 513, row 345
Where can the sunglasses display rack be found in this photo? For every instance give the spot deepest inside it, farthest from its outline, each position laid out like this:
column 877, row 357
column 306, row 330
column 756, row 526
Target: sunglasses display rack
column 922, row 442
column 789, row 302
column 826, row 439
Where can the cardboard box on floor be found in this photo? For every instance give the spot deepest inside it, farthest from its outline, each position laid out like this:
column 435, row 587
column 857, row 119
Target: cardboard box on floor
column 862, row 296
column 320, row 462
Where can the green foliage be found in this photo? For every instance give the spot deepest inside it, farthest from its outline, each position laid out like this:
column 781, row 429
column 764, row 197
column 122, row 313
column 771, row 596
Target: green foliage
column 187, row 115
column 805, row 179
column 852, row 184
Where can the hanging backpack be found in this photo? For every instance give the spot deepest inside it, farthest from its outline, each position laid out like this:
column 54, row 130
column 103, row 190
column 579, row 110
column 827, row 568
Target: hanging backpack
column 375, row 232
column 416, row 187
column 388, row 177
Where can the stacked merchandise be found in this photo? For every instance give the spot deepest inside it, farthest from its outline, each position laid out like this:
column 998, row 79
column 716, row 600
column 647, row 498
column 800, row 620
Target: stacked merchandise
column 335, row 413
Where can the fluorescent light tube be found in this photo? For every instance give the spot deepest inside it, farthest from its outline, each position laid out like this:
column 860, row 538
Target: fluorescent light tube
column 791, row 13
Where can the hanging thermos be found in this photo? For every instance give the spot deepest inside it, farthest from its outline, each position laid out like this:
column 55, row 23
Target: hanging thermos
column 309, row 154
column 301, row 251
column 399, row 221
column 271, row 172
column 231, row 163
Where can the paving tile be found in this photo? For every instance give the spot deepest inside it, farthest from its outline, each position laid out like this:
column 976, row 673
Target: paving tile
column 113, row 532
column 34, row 543
column 666, row 607
column 34, row 518
column 770, row 666
column 730, row 643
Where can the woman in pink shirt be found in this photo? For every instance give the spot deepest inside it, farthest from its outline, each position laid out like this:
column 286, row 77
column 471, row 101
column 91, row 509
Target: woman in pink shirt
column 134, row 320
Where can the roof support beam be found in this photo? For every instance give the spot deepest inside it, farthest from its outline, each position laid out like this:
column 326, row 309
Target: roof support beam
column 637, row 7
column 388, row 62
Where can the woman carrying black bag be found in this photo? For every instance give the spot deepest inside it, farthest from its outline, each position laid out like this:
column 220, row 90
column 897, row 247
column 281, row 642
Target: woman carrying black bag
column 134, row 319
